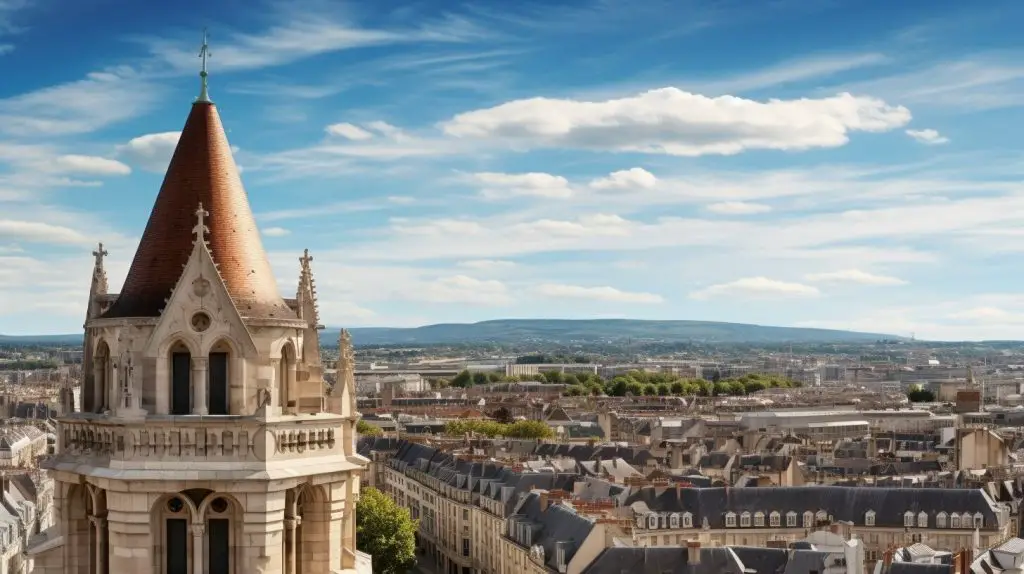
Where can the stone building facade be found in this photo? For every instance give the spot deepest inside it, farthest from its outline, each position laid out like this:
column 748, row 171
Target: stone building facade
column 206, row 442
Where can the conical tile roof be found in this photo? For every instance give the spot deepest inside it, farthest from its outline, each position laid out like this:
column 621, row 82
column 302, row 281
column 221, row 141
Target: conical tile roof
column 202, row 170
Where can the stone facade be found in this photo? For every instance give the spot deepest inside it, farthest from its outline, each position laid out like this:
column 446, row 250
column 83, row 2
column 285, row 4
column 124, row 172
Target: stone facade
column 206, row 443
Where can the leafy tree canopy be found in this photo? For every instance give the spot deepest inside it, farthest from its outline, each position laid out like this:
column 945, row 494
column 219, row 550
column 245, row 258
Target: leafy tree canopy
column 385, row 531
column 366, row 429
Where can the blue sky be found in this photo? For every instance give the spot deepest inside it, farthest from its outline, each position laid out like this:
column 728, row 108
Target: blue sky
column 833, row 163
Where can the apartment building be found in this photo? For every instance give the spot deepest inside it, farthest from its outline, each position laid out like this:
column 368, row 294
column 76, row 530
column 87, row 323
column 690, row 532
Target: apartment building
column 480, row 516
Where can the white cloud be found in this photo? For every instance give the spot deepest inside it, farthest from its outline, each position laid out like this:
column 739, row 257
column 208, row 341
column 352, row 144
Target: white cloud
column 605, row 293
column 790, row 72
column 151, row 152
column 302, row 32
column 738, row 208
column 487, row 264
column 510, row 185
column 756, row 287
column 633, row 178
column 276, row 232
column 6, row 49
column 673, row 122
column 927, row 137
column 462, row 289
column 38, row 232
column 90, row 165
column 854, row 276
column 987, row 315
column 78, row 107
column 349, row 131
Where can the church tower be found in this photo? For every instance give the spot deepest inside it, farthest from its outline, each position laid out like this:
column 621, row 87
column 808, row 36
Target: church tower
column 205, row 442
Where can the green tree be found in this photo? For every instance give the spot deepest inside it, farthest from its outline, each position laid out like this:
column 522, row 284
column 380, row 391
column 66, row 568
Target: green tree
column 919, row 394
column 503, row 416
column 480, row 378
column 463, row 379
column 385, row 531
column 366, row 429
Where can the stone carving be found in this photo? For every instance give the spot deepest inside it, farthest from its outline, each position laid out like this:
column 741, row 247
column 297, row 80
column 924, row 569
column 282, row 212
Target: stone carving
column 190, row 442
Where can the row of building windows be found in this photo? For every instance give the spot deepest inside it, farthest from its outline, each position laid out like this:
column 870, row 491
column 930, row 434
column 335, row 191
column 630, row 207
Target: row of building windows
column 943, row 520
column 774, row 520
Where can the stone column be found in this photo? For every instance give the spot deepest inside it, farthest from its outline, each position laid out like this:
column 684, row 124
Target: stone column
column 199, row 371
column 99, row 381
column 198, row 564
column 100, row 524
column 291, row 526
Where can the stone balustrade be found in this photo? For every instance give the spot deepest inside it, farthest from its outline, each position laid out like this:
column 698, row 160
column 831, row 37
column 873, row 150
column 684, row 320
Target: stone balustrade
column 195, row 440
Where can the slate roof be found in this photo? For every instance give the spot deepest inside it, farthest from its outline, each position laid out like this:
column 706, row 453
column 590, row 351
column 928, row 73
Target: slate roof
column 843, row 503
column 718, row 560
column 557, row 523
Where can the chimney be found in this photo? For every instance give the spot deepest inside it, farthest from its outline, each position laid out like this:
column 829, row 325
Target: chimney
column 543, row 500
column 887, row 558
column 693, row 552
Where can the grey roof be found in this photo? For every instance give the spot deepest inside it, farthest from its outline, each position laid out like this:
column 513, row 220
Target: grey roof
column 664, row 560
column 842, row 503
column 717, row 560
column 557, row 523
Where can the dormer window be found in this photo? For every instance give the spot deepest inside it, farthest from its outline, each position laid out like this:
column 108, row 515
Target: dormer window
column 775, row 519
column 652, row 522
column 954, row 520
column 791, row 519
column 908, row 518
column 979, row 520
column 673, row 520
column 940, row 520
column 808, row 519
column 687, row 520
column 730, row 520
column 745, row 520
column 822, row 516
column 759, row 519
column 922, row 519
column 965, row 520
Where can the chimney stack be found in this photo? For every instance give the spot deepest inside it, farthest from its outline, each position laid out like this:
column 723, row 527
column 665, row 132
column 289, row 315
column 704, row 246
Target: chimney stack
column 543, row 500
column 693, row 552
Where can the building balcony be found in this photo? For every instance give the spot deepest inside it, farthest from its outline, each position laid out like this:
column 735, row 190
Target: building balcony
column 192, row 447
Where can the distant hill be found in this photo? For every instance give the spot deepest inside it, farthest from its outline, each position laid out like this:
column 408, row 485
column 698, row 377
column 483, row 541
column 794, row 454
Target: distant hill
column 40, row 339
column 595, row 330
column 555, row 331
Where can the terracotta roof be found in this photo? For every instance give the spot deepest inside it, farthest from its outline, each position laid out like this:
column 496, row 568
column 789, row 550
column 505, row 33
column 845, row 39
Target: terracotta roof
column 201, row 170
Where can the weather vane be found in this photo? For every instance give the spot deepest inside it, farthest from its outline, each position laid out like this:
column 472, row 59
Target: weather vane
column 204, row 53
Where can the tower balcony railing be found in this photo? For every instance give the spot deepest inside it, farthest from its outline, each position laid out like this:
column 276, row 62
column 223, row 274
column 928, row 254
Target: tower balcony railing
column 198, row 442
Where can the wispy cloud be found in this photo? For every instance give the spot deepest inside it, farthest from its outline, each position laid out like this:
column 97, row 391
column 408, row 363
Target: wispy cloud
column 789, row 72
column 990, row 80
column 77, row 107
column 301, row 33
column 928, row 137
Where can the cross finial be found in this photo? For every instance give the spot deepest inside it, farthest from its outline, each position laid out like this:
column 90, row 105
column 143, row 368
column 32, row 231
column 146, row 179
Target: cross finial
column 201, row 229
column 305, row 259
column 99, row 254
column 204, row 53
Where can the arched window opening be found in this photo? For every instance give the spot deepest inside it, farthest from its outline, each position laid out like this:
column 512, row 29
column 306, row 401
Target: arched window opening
column 171, row 518
column 220, row 377
column 101, row 379
column 221, row 517
column 286, row 391
column 181, row 380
